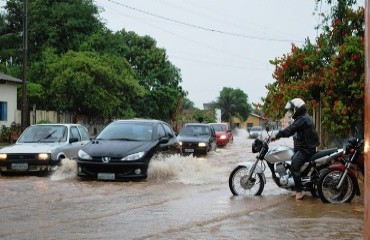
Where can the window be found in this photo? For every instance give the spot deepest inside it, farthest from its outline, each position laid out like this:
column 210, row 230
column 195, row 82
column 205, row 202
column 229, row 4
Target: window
column 84, row 134
column 3, row 111
column 74, row 133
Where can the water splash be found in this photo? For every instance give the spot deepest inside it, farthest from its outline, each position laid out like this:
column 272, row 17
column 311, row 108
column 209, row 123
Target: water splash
column 184, row 169
column 66, row 170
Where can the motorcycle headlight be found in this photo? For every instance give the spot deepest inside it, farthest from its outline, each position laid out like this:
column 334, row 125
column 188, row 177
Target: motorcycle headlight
column 223, row 137
column 84, row 155
column 202, row 144
column 180, row 143
column 133, row 157
column 43, row 156
column 3, row 156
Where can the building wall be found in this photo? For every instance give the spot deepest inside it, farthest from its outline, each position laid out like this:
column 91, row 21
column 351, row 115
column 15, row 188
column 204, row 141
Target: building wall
column 8, row 93
column 251, row 121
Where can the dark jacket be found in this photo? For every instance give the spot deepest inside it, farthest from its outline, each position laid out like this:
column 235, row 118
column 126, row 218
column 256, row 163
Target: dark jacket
column 304, row 131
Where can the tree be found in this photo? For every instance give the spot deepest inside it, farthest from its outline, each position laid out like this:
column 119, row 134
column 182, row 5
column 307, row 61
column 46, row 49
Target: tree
column 156, row 74
column 62, row 25
column 233, row 102
column 87, row 83
column 328, row 73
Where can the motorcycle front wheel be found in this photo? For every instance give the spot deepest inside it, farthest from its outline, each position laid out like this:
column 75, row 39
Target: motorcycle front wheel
column 239, row 185
column 328, row 191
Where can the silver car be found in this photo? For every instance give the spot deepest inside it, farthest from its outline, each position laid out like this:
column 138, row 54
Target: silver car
column 41, row 147
column 255, row 132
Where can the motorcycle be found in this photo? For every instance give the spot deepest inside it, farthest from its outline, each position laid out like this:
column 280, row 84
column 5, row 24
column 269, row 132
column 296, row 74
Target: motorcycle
column 248, row 178
column 339, row 183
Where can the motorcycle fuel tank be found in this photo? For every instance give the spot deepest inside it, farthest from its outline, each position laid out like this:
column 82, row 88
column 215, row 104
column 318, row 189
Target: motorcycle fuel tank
column 279, row 154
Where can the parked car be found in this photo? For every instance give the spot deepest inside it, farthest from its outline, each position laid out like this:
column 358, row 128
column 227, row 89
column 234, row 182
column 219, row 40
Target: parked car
column 255, row 132
column 197, row 139
column 124, row 148
column 41, row 147
column 223, row 133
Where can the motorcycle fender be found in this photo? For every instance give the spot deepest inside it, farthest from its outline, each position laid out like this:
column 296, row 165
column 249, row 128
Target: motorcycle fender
column 341, row 167
column 258, row 169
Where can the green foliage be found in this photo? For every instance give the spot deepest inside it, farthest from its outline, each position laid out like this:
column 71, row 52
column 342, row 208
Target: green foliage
column 156, row 74
column 77, row 65
column 328, row 74
column 87, row 83
column 203, row 116
column 233, row 102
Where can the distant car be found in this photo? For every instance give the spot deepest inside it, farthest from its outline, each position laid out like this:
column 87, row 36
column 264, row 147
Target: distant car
column 41, row 147
column 223, row 133
column 255, row 132
column 124, row 148
column 197, row 139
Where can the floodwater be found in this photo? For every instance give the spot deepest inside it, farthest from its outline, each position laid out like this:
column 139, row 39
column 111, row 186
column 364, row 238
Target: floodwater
column 183, row 198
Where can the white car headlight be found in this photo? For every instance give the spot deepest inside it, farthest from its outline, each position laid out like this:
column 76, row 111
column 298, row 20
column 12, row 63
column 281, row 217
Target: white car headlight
column 43, row 156
column 202, row 144
column 223, row 137
column 3, row 156
column 84, row 155
column 134, row 156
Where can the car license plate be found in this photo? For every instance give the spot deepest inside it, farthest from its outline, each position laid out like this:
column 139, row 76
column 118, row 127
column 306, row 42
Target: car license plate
column 19, row 166
column 106, row 176
column 187, row 150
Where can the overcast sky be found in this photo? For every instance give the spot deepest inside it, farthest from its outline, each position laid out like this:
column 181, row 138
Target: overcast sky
column 218, row 43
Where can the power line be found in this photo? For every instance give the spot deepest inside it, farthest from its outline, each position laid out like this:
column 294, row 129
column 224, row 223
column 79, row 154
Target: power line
column 200, row 27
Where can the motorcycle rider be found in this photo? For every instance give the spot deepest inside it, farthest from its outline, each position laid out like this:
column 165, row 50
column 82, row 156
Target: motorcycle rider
column 305, row 139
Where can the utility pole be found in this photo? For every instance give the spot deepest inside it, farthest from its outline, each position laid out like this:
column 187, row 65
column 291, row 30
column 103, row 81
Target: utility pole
column 367, row 123
column 24, row 114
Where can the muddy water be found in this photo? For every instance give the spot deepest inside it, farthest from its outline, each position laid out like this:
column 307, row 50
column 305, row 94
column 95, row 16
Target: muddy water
column 183, row 198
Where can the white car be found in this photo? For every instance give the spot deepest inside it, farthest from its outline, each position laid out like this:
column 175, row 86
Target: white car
column 41, row 147
column 255, row 132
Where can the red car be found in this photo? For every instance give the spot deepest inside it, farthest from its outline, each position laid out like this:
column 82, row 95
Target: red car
column 223, row 133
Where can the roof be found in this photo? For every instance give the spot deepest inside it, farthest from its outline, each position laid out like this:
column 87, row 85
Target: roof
column 9, row 78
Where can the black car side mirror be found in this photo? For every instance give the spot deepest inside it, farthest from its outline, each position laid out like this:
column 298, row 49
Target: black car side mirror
column 164, row 140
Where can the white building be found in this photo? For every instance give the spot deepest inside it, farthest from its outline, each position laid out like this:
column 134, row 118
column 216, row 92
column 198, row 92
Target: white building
column 8, row 99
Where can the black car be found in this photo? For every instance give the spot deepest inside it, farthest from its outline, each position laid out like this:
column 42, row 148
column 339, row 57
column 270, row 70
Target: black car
column 197, row 139
column 124, row 148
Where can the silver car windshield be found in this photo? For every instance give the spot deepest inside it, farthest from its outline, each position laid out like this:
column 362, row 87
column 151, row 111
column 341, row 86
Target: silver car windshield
column 127, row 132
column 44, row 133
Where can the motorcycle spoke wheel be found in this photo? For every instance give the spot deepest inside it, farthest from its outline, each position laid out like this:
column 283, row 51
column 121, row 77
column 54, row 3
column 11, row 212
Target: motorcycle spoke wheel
column 328, row 191
column 239, row 185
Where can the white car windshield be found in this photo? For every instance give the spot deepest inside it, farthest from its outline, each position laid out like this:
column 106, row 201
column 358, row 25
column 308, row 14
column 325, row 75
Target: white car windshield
column 44, row 133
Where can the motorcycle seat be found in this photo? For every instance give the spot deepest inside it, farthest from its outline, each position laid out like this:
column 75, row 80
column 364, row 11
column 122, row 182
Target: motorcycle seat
column 323, row 153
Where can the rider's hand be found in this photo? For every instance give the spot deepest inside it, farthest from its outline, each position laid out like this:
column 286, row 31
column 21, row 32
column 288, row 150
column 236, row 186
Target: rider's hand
column 272, row 138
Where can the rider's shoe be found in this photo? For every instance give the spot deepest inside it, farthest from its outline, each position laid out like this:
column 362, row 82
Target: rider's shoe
column 299, row 196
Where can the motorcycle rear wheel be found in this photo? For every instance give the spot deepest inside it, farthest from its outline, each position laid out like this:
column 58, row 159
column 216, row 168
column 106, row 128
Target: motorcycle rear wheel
column 328, row 192
column 239, row 185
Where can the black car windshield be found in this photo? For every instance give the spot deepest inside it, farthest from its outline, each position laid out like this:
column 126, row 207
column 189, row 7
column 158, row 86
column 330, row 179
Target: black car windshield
column 44, row 133
column 219, row 127
column 130, row 131
column 195, row 131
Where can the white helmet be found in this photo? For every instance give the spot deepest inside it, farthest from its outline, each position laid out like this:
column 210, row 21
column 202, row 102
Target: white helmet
column 295, row 104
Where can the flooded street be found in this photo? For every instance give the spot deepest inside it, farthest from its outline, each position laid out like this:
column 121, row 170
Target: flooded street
column 183, row 198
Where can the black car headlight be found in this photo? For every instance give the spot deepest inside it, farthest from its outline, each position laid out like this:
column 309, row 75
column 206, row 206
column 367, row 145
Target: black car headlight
column 133, row 157
column 43, row 156
column 3, row 156
column 202, row 144
column 84, row 155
